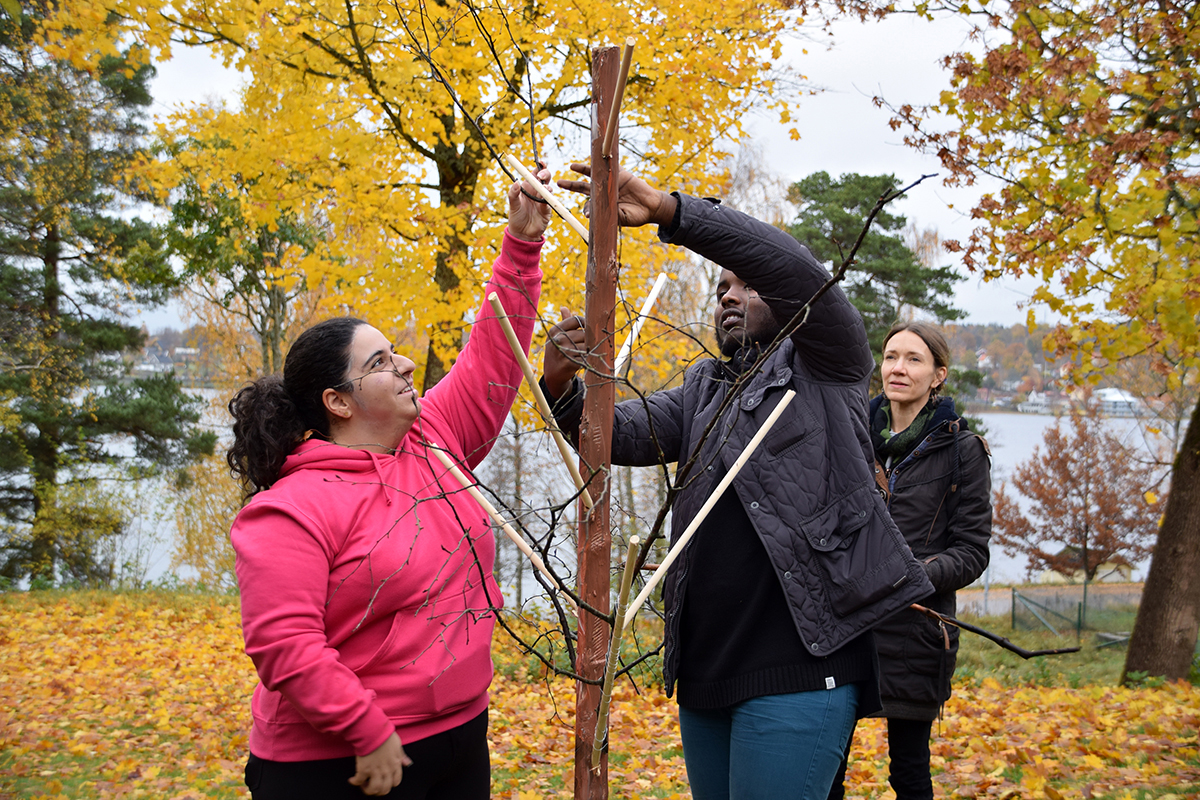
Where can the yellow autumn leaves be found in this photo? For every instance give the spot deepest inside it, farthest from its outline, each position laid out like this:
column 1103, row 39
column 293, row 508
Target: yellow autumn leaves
column 1085, row 118
column 379, row 124
column 105, row 696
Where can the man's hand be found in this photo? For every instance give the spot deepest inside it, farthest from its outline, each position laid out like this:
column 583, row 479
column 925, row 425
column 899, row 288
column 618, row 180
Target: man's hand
column 638, row 203
column 379, row 771
column 564, row 354
column 528, row 214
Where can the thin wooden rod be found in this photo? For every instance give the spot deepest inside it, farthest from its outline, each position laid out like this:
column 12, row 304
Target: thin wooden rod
column 614, row 111
column 548, row 196
column 564, row 449
column 614, row 653
column 707, row 507
column 626, row 348
column 497, row 518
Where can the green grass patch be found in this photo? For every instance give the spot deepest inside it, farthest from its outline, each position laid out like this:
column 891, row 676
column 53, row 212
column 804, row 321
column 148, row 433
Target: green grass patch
column 979, row 658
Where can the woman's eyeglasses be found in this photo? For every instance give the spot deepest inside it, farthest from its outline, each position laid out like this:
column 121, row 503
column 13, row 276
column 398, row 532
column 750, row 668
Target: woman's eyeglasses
column 391, row 367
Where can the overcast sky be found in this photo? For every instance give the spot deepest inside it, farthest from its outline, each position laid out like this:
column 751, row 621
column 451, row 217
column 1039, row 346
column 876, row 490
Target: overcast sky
column 841, row 131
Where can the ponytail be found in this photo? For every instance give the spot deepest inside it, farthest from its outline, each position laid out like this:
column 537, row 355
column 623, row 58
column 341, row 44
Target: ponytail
column 266, row 428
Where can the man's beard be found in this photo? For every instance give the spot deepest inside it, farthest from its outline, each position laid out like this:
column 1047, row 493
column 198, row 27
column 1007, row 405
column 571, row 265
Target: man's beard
column 730, row 344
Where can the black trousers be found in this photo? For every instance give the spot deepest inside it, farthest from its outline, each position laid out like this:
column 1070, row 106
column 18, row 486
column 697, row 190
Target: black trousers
column 452, row 765
column 908, row 761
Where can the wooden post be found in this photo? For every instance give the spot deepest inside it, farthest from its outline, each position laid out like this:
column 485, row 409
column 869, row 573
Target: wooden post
column 595, row 430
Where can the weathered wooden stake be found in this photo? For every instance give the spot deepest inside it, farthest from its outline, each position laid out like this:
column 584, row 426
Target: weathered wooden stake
column 638, row 322
column 600, row 743
column 498, row 519
column 713, row 497
column 549, row 197
column 595, row 430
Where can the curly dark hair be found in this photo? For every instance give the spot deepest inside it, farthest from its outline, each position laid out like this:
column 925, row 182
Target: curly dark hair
column 272, row 415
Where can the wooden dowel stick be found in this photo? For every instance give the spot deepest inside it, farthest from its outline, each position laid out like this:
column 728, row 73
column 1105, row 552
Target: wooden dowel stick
column 610, row 130
column 708, row 504
column 554, row 202
column 626, row 348
column 497, row 518
column 564, row 449
column 614, row 653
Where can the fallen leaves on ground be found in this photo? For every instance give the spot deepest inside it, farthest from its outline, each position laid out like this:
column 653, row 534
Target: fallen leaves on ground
column 106, row 696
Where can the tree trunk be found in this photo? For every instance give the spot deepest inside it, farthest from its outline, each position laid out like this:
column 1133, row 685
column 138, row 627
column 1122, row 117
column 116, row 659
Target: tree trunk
column 274, row 329
column 458, row 174
column 45, row 448
column 446, row 280
column 595, row 432
column 1164, row 635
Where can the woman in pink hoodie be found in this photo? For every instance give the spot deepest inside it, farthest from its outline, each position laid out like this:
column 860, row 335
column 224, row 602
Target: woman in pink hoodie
column 365, row 570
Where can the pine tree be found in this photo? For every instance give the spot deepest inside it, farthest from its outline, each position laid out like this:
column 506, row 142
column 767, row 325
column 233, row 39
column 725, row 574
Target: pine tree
column 886, row 276
column 74, row 261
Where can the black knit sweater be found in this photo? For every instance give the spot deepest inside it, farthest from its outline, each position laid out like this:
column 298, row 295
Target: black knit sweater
column 737, row 638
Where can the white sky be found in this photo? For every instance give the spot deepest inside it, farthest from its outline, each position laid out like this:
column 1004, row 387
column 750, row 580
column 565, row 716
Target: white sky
column 841, row 131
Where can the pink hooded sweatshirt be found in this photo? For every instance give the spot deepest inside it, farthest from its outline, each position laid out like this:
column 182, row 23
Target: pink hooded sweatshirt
column 366, row 579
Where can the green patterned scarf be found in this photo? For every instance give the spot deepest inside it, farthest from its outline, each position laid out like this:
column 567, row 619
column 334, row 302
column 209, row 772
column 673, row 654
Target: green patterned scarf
column 896, row 445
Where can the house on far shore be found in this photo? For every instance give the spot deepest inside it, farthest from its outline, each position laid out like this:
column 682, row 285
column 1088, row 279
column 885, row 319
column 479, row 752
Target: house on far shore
column 1119, row 403
column 153, row 362
column 1036, row 404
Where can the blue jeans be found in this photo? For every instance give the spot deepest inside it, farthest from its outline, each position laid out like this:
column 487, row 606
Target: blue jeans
column 768, row 748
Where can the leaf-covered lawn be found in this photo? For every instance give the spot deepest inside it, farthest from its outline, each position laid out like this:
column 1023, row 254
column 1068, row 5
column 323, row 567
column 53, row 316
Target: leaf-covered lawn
column 106, row 695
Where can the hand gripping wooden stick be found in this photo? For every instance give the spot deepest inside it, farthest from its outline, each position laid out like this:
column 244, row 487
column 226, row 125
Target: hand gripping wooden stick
column 554, row 202
column 564, row 449
column 707, row 507
column 516, row 538
column 614, row 653
column 626, row 348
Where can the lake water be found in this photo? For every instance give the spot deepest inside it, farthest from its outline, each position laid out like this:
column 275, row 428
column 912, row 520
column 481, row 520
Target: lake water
column 1012, row 438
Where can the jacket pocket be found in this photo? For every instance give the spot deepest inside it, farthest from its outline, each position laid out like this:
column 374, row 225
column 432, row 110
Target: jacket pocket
column 802, row 427
column 860, row 563
column 929, row 657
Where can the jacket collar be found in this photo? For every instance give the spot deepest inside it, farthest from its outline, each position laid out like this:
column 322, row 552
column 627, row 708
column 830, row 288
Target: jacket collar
column 944, row 415
column 771, row 371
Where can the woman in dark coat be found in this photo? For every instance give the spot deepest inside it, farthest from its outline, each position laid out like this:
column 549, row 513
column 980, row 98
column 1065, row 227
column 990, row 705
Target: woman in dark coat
column 935, row 475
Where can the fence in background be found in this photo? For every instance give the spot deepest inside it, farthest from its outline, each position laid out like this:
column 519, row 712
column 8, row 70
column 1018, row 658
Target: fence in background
column 1063, row 608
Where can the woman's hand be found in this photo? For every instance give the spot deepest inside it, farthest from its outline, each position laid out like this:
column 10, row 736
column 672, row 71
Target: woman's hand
column 528, row 214
column 380, row 771
column 638, row 203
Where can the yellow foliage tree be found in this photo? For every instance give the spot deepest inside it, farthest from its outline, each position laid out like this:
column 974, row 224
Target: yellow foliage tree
column 253, row 283
column 391, row 117
column 204, row 510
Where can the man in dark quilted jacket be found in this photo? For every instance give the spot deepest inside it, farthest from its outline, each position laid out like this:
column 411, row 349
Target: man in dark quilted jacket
column 769, row 608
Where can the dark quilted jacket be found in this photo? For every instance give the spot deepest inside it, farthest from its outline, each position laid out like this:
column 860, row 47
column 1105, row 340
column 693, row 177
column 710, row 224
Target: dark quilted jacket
column 809, row 489
column 940, row 497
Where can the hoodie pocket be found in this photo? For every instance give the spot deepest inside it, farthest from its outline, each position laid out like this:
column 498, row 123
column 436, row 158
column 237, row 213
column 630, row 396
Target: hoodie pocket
column 856, row 562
